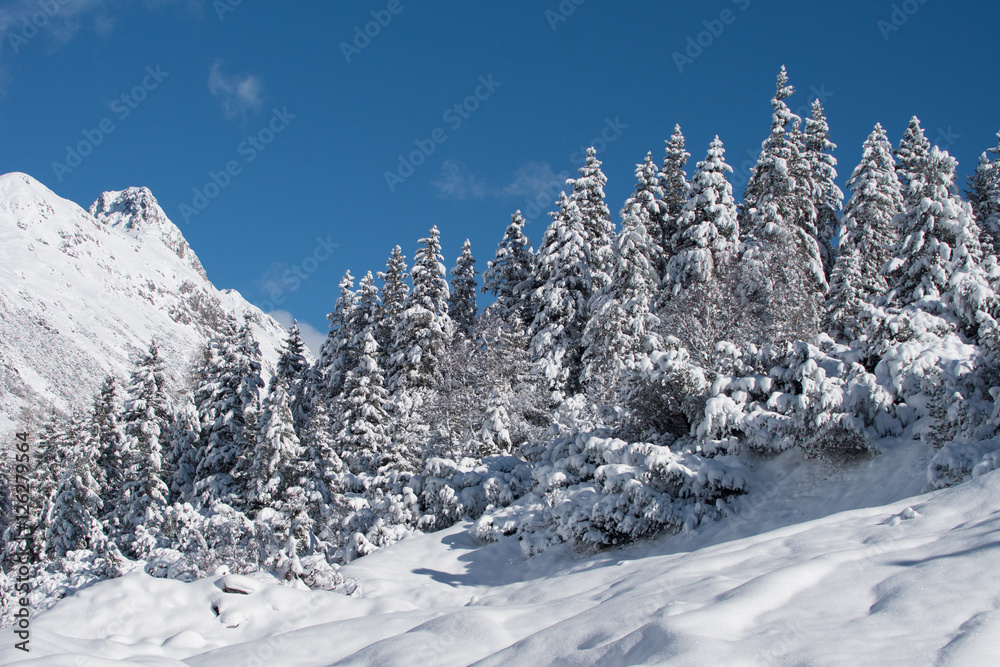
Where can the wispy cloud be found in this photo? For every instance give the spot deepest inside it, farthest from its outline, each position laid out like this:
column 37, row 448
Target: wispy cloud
column 61, row 20
column 528, row 181
column 239, row 94
column 457, row 183
column 312, row 338
column 534, row 178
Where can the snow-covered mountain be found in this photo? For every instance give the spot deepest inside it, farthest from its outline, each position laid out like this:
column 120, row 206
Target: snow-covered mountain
column 81, row 293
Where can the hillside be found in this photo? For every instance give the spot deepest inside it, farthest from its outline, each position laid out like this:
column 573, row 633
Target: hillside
column 824, row 573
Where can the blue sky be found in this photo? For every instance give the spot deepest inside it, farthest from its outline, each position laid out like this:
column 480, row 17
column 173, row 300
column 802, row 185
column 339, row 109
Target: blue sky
column 300, row 115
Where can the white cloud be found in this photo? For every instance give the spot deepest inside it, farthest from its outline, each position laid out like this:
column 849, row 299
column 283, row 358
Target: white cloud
column 457, row 183
column 311, row 337
column 60, row 20
column 534, row 178
column 239, row 94
column 529, row 181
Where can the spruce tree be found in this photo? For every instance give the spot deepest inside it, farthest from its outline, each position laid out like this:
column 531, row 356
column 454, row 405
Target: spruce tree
column 423, row 328
column 781, row 271
column 508, row 275
column 73, row 520
column 673, row 180
column 109, row 435
column 913, row 154
column 462, row 302
column 622, row 323
column 369, row 312
column 707, row 230
column 828, row 198
column 181, row 459
column 147, row 421
column 395, row 292
column 363, row 438
column 588, row 197
column 293, row 370
column 277, row 451
column 565, row 288
column 869, row 235
column 227, row 396
column 939, row 238
column 984, row 195
column 647, row 206
column 336, row 356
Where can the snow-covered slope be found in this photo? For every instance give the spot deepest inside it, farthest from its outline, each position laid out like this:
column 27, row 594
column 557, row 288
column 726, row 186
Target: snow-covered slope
column 82, row 293
column 912, row 582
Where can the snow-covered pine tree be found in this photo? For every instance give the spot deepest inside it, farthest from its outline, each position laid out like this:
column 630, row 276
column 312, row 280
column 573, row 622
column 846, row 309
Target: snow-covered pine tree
column 147, row 420
column 828, row 198
column 293, row 369
column 869, row 235
column 277, row 452
column 781, row 271
column 369, row 312
column 228, row 400
column 846, row 297
column 395, row 292
column 181, row 459
column 588, row 196
column 337, row 356
column 674, row 183
column 423, row 329
column 364, row 429
column 913, row 153
column 565, row 288
column 648, row 207
column 495, row 437
column 462, row 302
column 55, row 451
column 508, row 275
column 73, row 520
column 622, row 324
column 109, row 435
column 939, row 237
column 707, row 229
column 984, row 195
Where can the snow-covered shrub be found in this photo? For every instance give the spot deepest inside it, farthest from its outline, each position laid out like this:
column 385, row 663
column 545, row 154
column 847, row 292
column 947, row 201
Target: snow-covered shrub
column 595, row 491
column 961, row 461
column 665, row 393
column 450, row 491
column 814, row 396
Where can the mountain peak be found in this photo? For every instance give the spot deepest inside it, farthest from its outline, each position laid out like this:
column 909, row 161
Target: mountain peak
column 136, row 212
column 129, row 209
